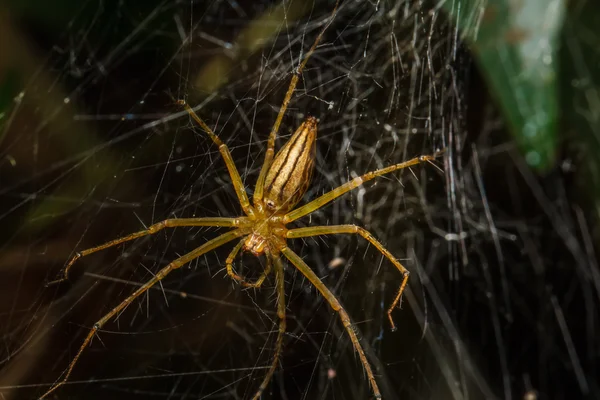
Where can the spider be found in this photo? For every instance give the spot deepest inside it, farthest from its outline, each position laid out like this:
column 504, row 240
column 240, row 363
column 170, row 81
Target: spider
column 282, row 182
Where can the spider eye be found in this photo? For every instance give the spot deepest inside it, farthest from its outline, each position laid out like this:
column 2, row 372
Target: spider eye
column 270, row 204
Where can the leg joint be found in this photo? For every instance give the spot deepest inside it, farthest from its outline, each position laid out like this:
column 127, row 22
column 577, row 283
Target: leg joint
column 361, row 231
column 158, row 226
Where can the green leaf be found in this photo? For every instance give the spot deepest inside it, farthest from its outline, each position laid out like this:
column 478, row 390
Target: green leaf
column 515, row 45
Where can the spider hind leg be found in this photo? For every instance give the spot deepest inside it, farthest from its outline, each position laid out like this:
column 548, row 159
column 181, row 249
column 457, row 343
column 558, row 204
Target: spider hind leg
column 357, row 230
column 305, row 270
column 279, row 277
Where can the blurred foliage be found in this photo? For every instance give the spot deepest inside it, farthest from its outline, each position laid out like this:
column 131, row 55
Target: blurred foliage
column 251, row 39
column 209, row 79
column 540, row 61
column 580, row 96
column 516, row 46
column 9, row 86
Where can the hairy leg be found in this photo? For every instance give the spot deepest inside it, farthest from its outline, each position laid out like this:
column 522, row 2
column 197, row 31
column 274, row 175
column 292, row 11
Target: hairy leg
column 206, row 247
column 357, row 230
column 238, row 185
column 337, row 307
column 279, row 277
column 270, row 153
column 348, row 186
column 152, row 229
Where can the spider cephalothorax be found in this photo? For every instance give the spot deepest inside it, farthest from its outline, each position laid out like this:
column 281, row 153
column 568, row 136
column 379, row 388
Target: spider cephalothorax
column 267, row 234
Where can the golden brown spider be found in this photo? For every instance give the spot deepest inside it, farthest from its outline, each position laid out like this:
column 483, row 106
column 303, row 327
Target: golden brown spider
column 283, row 180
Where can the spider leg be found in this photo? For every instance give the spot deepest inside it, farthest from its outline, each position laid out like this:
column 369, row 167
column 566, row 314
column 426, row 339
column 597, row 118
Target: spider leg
column 238, row 185
column 233, row 275
column 206, row 247
column 357, row 230
column 279, row 277
column 259, row 281
column 152, row 229
column 229, row 262
column 270, row 153
column 337, row 307
column 353, row 184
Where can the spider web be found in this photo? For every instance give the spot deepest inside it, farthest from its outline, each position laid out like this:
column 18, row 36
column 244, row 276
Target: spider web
column 94, row 147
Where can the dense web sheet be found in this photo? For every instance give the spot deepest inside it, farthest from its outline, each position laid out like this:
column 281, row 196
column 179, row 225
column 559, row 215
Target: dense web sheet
column 94, row 146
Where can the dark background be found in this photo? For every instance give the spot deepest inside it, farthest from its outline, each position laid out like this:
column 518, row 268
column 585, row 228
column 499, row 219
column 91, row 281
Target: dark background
column 504, row 288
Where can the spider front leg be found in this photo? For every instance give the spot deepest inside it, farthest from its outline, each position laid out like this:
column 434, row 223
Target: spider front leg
column 206, row 247
column 270, row 153
column 353, row 184
column 167, row 223
column 238, row 185
column 229, row 264
column 357, row 230
column 337, row 307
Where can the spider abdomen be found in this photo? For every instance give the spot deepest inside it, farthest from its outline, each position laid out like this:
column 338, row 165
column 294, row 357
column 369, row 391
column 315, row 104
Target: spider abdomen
column 291, row 171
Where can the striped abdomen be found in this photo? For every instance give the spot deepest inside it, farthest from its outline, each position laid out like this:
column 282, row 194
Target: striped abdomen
column 291, row 171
